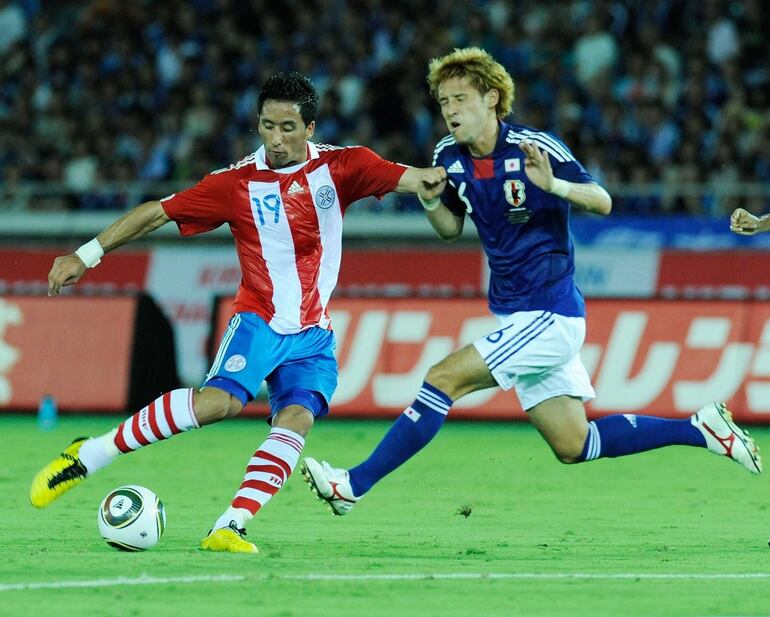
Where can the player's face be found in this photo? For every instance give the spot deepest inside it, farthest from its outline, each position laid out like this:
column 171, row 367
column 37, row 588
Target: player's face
column 468, row 113
column 284, row 133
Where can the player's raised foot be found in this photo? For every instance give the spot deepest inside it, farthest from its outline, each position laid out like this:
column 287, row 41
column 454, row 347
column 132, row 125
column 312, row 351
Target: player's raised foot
column 228, row 540
column 58, row 476
column 330, row 484
column 726, row 438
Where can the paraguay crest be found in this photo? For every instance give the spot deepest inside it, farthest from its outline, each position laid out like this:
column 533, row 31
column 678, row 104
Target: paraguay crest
column 516, row 195
column 325, row 196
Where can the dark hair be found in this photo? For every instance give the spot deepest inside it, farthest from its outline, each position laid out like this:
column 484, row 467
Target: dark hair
column 294, row 87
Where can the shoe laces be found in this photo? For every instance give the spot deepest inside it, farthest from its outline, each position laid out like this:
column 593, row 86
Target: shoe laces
column 333, row 472
column 72, row 472
column 241, row 531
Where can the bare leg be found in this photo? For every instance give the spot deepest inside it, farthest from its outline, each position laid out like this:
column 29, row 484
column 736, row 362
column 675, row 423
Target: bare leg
column 562, row 423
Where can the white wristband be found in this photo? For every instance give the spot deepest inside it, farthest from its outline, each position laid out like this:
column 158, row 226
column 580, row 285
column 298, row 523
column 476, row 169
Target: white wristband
column 431, row 204
column 560, row 188
column 90, row 253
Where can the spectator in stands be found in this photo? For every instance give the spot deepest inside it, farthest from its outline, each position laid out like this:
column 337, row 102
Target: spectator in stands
column 13, row 24
column 80, row 70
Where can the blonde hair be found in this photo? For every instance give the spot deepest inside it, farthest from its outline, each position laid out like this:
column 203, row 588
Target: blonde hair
column 484, row 72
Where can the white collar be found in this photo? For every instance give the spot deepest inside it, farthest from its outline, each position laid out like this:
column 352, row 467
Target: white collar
column 260, row 160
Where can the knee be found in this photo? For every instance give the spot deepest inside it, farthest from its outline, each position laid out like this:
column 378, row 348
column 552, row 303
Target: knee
column 440, row 376
column 568, row 457
column 568, row 452
column 294, row 418
column 568, row 446
column 212, row 405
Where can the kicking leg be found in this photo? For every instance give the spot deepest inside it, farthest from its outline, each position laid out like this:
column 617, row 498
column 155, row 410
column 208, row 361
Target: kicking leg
column 562, row 422
column 457, row 375
column 170, row 414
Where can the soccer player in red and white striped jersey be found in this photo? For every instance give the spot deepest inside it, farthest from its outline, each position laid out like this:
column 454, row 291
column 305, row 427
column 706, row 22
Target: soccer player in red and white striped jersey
column 284, row 205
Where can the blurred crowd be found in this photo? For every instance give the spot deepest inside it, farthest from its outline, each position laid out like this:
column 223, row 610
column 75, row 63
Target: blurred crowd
column 94, row 93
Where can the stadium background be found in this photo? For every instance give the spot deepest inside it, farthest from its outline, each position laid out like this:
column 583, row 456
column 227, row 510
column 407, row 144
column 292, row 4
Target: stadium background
column 104, row 103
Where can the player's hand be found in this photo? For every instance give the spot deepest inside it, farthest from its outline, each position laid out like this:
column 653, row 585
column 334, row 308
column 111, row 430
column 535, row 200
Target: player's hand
column 432, row 182
column 537, row 166
column 744, row 223
column 66, row 270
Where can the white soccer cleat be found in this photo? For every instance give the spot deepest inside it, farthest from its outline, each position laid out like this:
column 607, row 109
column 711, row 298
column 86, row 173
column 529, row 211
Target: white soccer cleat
column 726, row 438
column 330, row 484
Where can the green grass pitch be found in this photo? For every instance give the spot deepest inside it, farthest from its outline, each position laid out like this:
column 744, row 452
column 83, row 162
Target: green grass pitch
column 675, row 532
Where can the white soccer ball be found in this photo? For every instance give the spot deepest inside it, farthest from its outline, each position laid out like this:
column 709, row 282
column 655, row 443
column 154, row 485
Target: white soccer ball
column 131, row 518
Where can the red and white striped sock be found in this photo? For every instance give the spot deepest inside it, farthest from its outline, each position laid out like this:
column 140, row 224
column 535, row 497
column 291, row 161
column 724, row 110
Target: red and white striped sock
column 167, row 415
column 266, row 473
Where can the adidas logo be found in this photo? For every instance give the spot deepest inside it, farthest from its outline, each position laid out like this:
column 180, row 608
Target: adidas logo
column 456, row 168
column 295, row 187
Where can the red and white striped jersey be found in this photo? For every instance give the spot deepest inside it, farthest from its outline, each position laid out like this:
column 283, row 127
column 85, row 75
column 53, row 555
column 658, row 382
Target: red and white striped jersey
column 287, row 225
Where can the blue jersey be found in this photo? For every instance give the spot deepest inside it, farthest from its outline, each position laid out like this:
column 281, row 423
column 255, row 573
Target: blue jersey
column 524, row 230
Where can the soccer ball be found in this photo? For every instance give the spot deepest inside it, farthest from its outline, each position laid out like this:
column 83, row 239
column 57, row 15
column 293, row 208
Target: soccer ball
column 131, row 518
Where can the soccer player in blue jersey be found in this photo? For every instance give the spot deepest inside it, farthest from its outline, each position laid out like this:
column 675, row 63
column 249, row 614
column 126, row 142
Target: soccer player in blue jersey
column 518, row 185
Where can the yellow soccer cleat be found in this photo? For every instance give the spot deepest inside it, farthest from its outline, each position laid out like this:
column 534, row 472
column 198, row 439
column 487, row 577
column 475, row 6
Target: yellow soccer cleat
column 59, row 476
column 228, row 540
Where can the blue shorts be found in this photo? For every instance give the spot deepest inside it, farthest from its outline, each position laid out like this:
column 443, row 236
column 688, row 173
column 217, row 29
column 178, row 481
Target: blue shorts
column 297, row 367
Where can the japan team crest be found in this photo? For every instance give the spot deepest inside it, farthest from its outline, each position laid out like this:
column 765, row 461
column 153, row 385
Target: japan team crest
column 515, row 193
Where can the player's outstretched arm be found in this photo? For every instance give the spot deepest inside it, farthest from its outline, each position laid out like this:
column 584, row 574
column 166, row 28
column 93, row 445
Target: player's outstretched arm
column 69, row 269
column 428, row 184
column 587, row 196
column 746, row 224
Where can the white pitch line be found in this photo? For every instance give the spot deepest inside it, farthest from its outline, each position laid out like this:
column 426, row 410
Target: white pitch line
column 120, row 581
column 227, row 578
column 521, row 575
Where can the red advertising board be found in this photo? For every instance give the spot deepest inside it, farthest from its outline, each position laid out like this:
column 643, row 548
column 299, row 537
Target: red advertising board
column 405, row 273
column 77, row 348
column 26, row 271
column 714, row 274
column 184, row 279
column 662, row 358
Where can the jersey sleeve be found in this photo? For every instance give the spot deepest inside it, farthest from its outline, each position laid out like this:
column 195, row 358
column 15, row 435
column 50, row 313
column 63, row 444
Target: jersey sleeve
column 449, row 197
column 367, row 174
column 564, row 163
column 204, row 207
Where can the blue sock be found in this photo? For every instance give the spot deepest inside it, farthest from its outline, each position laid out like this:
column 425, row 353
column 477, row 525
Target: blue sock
column 620, row 435
column 409, row 434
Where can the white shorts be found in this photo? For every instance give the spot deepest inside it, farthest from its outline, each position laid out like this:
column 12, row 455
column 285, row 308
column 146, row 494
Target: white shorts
column 537, row 353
